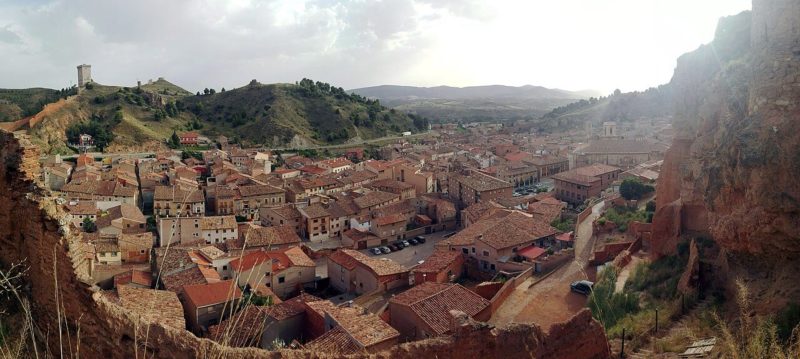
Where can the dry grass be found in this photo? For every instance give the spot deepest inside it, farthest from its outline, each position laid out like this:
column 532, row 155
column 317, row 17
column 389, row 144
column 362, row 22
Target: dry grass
column 751, row 336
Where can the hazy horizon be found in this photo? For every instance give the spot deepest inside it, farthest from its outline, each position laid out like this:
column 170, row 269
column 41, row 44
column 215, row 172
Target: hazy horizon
column 570, row 45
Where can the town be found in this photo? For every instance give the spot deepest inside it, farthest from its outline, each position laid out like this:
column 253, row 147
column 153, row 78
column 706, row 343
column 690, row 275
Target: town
column 349, row 250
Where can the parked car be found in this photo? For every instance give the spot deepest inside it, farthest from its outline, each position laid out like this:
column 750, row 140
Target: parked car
column 582, row 287
column 405, row 243
column 376, row 251
column 394, row 247
column 420, row 239
column 386, row 250
column 399, row 245
column 413, row 242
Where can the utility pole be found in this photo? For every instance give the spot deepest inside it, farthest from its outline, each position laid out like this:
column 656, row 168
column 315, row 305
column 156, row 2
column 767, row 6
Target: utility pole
column 622, row 350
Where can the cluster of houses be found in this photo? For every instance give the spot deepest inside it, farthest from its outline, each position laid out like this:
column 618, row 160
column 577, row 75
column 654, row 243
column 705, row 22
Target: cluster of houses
column 258, row 248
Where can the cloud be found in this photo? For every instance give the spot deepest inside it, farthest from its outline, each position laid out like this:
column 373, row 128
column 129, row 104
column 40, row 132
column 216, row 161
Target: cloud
column 8, row 36
column 349, row 43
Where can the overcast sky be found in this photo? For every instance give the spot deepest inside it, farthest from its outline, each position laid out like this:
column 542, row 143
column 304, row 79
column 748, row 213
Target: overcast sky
column 569, row 44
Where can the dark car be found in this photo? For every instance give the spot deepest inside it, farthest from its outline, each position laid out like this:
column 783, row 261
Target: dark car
column 413, row 242
column 400, row 244
column 392, row 247
column 582, row 287
column 420, row 239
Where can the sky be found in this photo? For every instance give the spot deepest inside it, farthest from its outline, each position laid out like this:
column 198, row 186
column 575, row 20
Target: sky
column 568, row 44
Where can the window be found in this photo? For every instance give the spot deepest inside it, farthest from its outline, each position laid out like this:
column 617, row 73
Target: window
column 281, row 279
column 485, row 253
column 492, row 266
column 473, row 249
column 466, row 251
column 225, row 267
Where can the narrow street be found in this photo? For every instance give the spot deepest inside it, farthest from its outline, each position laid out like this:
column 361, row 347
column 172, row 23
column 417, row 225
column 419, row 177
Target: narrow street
column 550, row 300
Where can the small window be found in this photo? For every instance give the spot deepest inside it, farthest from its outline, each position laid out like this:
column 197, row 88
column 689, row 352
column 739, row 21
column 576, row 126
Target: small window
column 485, row 253
column 281, row 279
column 473, row 249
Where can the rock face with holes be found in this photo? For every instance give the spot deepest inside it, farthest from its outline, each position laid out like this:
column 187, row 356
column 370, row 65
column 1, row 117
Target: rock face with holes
column 33, row 231
column 733, row 169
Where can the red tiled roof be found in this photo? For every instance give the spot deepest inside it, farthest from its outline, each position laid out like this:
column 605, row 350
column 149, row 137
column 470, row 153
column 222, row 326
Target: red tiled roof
column 565, row 237
column 531, row 252
column 250, row 260
column 202, row 295
column 437, row 261
column 335, row 342
column 390, row 219
column 432, row 302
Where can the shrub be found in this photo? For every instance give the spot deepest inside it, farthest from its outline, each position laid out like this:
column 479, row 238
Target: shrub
column 634, row 189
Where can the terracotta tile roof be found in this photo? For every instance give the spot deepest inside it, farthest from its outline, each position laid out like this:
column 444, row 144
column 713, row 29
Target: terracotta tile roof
column 438, row 261
column 378, row 266
column 374, row 198
column 202, row 295
column 314, row 170
column 315, row 210
column 253, row 235
column 135, row 277
column 565, row 237
column 402, row 207
column 481, row 182
column 177, row 194
column 335, row 162
column 82, row 208
column 250, row 260
column 259, row 190
column 218, row 222
column 585, row 175
column 155, row 306
column 358, row 236
column 335, row 342
column 547, row 209
column 125, row 211
column 531, row 252
column 503, row 229
column 242, row 329
column 343, row 259
column 390, row 219
column 544, row 160
column 298, row 258
column 211, row 253
column 432, row 302
column 365, row 328
column 390, row 183
column 292, row 307
column 287, row 212
column 175, row 281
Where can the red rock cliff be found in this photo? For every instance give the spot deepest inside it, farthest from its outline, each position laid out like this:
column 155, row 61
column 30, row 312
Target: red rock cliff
column 32, row 229
column 733, row 169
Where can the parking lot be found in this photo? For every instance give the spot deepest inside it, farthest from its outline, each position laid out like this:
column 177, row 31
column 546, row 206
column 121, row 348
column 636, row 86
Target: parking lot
column 411, row 255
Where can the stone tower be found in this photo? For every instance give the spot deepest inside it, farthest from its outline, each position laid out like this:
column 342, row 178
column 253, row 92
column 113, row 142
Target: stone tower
column 84, row 75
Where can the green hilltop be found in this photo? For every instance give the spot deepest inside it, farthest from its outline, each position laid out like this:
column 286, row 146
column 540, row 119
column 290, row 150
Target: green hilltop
column 305, row 113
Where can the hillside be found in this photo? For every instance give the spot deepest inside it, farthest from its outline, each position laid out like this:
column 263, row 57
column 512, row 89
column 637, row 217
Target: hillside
column 18, row 103
column 620, row 107
column 139, row 119
column 298, row 114
column 474, row 103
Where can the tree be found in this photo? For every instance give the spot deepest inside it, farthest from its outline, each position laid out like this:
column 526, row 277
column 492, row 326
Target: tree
column 205, row 91
column 174, row 141
column 634, row 189
column 89, row 226
column 222, row 90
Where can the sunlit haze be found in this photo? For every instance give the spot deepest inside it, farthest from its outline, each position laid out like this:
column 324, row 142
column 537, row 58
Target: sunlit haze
column 602, row 45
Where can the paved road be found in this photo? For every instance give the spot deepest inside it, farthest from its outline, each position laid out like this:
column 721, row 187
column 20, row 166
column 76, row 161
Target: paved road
column 550, row 300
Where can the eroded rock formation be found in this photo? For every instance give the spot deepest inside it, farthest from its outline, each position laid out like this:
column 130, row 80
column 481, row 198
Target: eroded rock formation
column 733, row 169
column 33, row 231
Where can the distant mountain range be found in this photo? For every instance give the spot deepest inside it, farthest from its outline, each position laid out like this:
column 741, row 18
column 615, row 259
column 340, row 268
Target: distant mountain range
column 474, row 103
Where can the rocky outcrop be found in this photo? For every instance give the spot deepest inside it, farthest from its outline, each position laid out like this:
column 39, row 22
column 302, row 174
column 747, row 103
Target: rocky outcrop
column 733, row 169
column 74, row 318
